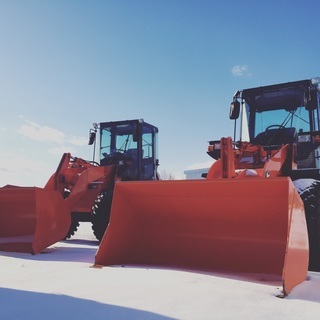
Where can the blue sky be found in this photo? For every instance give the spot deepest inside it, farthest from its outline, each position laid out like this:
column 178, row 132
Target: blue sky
column 65, row 64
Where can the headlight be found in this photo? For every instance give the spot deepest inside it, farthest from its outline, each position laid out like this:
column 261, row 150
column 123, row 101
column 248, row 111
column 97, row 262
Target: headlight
column 304, row 138
column 214, row 146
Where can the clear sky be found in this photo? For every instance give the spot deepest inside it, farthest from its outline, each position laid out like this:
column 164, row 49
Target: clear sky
column 65, row 64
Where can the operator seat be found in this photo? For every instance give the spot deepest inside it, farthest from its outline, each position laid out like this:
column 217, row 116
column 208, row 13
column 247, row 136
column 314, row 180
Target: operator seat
column 274, row 138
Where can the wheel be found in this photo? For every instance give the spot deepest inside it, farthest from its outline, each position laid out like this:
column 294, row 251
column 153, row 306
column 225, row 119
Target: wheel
column 101, row 214
column 73, row 228
column 310, row 195
column 74, row 223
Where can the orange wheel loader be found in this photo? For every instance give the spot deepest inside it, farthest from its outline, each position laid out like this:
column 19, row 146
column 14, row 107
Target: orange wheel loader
column 34, row 218
column 257, row 210
column 130, row 147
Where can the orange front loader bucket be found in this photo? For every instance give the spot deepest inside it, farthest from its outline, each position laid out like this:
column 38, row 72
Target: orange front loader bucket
column 249, row 225
column 31, row 219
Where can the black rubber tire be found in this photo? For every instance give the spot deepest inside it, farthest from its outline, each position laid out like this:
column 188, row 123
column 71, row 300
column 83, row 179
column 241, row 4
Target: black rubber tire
column 311, row 199
column 73, row 229
column 101, row 214
column 74, row 223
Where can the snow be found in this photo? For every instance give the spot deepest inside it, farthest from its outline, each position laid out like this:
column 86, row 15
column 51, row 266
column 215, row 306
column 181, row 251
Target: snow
column 63, row 284
column 304, row 184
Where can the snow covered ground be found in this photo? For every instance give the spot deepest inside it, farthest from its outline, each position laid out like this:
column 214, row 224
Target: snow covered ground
column 62, row 284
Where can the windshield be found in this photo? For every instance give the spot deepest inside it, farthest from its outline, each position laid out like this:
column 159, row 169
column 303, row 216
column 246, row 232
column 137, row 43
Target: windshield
column 262, row 121
column 298, row 119
column 117, row 140
column 134, row 145
column 279, row 106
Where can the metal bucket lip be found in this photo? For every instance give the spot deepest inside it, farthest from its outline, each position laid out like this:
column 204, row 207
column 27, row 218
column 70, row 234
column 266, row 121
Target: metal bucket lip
column 18, row 239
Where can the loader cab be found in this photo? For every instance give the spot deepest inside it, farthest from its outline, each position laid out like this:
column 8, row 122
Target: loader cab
column 132, row 146
column 286, row 113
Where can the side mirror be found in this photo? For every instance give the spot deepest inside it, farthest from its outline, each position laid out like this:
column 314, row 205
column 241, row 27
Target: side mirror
column 92, row 137
column 234, row 110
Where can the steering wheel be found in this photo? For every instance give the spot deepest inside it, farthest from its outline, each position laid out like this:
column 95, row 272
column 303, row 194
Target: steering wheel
column 279, row 126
